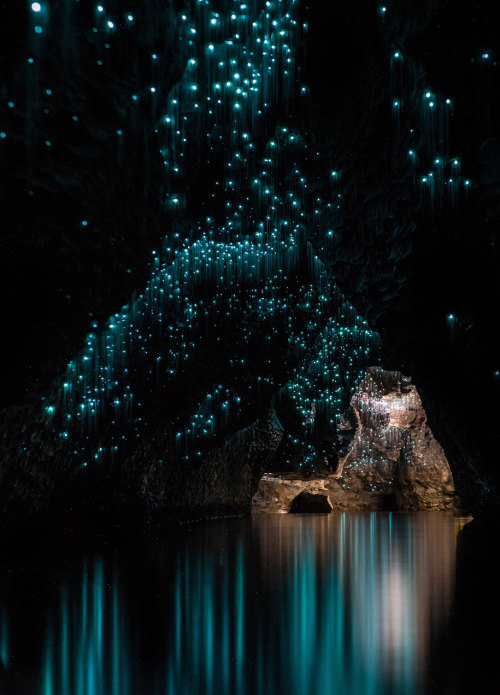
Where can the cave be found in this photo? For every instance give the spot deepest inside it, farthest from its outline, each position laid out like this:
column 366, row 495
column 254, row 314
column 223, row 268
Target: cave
column 310, row 503
column 250, row 273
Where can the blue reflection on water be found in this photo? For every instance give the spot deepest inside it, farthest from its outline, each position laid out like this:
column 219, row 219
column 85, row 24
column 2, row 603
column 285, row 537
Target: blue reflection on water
column 341, row 604
column 4, row 639
column 86, row 644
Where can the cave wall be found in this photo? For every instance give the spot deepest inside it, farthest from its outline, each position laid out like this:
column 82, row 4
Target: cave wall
column 88, row 193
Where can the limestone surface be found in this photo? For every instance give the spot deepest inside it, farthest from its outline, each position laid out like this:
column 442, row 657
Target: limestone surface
column 392, row 462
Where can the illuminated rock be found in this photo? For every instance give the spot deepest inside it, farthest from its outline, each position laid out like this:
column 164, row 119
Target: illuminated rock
column 393, row 461
column 394, row 450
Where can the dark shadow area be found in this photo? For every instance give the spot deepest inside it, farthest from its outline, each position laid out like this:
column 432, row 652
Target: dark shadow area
column 465, row 655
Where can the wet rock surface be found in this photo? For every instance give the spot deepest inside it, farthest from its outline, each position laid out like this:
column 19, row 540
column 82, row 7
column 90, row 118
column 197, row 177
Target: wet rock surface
column 393, row 449
column 392, row 462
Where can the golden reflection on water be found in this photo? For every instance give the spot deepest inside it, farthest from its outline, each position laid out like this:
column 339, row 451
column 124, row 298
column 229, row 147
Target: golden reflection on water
column 365, row 593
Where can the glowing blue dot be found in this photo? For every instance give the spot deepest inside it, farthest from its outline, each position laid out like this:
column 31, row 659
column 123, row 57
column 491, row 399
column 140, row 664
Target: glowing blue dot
column 130, row 18
column 152, row 89
column 3, row 135
column 237, row 106
column 211, row 47
column 84, row 223
column 110, row 24
column 134, row 97
column 119, row 132
column 36, row 7
column 431, row 104
column 30, row 60
column 467, row 183
column 100, row 8
column 194, row 87
column 485, row 56
column 428, row 95
column 10, row 104
column 48, row 92
column 38, row 30
column 48, row 143
column 213, row 21
column 397, row 54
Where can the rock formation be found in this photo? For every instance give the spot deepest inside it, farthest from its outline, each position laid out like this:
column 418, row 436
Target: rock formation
column 393, row 461
column 146, row 488
column 91, row 193
column 224, row 482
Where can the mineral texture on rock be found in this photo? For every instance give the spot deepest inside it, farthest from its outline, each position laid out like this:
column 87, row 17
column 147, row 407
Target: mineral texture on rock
column 223, row 484
column 146, row 487
column 393, row 461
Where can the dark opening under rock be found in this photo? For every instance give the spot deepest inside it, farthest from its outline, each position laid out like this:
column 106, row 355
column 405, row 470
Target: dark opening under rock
column 307, row 502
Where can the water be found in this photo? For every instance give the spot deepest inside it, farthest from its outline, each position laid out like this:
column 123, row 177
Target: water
column 341, row 604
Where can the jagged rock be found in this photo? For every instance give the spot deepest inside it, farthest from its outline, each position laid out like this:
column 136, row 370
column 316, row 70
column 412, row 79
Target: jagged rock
column 277, row 491
column 308, row 502
column 393, row 449
column 393, row 461
column 224, row 482
column 146, row 487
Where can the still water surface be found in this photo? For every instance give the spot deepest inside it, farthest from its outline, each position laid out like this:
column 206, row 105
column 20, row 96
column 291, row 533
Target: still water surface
column 338, row 604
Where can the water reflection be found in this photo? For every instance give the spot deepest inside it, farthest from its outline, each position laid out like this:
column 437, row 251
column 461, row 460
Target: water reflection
column 362, row 596
column 344, row 604
column 4, row 639
column 86, row 647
